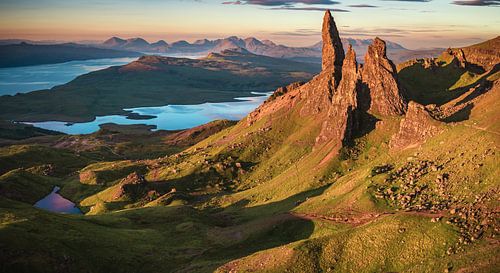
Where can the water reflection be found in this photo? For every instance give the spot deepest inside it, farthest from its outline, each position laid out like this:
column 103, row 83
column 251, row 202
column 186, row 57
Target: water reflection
column 169, row 117
column 37, row 77
column 56, row 203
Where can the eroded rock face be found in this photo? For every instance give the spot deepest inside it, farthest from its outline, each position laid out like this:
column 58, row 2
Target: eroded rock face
column 415, row 128
column 285, row 89
column 319, row 91
column 340, row 95
column 333, row 51
column 382, row 92
column 130, row 186
column 341, row 120
column 89, row 177
column 485, row 55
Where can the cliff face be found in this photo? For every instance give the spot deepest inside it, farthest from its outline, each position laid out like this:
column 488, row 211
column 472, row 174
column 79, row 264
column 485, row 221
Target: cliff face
column 342, row 115
column 485, row 55
column 337, row 97
column 333, row 51
column 380, row 82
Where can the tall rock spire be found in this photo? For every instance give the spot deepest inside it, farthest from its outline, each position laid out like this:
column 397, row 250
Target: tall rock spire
column 333, row 52
column 342, row 115
column 381, row 82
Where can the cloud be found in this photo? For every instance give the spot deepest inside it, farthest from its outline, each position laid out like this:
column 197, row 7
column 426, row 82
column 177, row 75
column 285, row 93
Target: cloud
column 407, row 31
column 494, row 3
column 281, row 2
column 421, row 1
column 362, row 6
column 298, row 32
column 310, row 9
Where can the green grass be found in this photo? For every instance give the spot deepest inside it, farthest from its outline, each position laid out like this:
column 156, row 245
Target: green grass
column 434, row 85
column 63, row 161
column 25, row 186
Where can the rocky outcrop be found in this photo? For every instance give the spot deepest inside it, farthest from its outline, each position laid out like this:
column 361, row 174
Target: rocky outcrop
column 318, row 93
column 333, row 51
column 382, row 92
column 130, row 187
column 341, row 119
column 485, row 55
column 415, row 128
column 337, row 99
column 285, row 89
column 89, row 177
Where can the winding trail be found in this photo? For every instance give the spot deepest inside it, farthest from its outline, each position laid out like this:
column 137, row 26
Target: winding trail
column 482, row 129
column 362, row 218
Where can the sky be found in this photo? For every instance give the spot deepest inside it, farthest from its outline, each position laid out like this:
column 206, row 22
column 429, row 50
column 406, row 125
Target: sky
column 412, row 23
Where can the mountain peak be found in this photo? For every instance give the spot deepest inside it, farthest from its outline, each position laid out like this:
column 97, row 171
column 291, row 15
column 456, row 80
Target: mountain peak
column 201, row 42
column 333, row 52
column 137, row 40
column 160, row 43
column 114, row 41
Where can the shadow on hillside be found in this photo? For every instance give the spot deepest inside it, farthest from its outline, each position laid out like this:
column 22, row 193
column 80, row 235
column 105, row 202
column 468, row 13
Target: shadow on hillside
column 480, row 87
column 431, row 85
column 272, row 226
column 365, row 122
column 461, row 115
column 103, row 238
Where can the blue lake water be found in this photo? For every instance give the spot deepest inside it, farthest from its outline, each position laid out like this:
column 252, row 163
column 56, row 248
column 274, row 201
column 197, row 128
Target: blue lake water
column 30, row 78
column 24, row 79
column 169, row 117
column 56, row 203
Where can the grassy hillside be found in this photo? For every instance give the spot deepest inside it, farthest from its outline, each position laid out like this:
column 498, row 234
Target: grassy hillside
column 16, row 131
column 264, row 196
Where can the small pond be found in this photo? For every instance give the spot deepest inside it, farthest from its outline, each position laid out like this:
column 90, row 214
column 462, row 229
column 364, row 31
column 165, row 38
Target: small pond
column 56, row 203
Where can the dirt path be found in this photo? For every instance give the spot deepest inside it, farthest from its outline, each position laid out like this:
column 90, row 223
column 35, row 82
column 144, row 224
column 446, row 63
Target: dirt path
column 362, row 218
column 482, row 129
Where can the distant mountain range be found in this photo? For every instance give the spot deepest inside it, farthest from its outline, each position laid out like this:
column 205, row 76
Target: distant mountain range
column 265, row 47
column 18, row 52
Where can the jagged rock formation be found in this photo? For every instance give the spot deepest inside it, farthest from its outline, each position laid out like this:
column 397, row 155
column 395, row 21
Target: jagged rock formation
column 379, row 76
column 341, row 119
column 339, row 95
column 415, row 128
column 130, row 186
column 333, row 51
